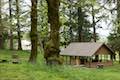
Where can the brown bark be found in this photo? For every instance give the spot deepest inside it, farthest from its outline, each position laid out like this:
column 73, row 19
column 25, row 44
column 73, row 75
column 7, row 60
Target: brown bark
column 1, row 28
column 18, row 25
column 94, row 29
column 33, row 33
column 52, row 48
column 93, row 24
column 11, row 31
column 118, row 16
column 80, row 24
column 118, row 9
column 118, row 22
column 70, row 21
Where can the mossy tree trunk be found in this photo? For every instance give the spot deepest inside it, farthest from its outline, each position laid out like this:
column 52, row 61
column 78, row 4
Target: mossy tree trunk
column 33, row 33
column 118, row 22
column 52, row 47
column 118, row 16
column 18, row 25
column 11, row 31
column 1, row 28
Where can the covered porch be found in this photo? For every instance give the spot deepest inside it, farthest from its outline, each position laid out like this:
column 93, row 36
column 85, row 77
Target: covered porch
column 89, row 61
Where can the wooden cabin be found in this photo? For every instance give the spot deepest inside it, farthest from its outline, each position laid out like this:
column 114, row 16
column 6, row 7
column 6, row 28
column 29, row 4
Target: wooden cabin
column 88, row 54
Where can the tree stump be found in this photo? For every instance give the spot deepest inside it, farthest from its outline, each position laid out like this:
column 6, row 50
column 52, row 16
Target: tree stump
column 15, row 59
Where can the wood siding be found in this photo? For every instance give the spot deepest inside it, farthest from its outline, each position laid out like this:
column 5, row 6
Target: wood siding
column 103, row 50
column 95, row 64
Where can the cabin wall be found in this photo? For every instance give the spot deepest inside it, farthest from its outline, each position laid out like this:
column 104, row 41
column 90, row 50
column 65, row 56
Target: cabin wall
column 103, row 59
column 72, row 60
column 103, row 50
column 76, row 61
column 95, row 64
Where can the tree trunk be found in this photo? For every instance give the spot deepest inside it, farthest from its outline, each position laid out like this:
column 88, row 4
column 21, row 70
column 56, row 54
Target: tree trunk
column 119, row 56
column 33, row 33
column 1, row 28
column 94, row 29
column 118, row 10
column 70, row 23
column 52, row 47
column 118, row 22
column 93, row 24
column 80, row 24
column 11, row 31
column 18, row 25
column 118, row 16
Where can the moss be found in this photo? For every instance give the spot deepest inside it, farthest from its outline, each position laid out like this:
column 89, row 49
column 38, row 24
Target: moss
column 55, row 60
column 50, row 49
column 52, row 54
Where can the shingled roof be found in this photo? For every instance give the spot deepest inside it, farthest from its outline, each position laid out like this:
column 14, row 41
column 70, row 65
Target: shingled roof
column 83, row 49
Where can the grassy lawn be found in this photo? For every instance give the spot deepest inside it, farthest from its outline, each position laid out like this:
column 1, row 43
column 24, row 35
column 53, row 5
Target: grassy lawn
column 39, row 71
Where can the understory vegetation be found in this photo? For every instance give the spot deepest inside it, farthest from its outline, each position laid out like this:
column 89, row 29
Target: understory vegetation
column 40, row 71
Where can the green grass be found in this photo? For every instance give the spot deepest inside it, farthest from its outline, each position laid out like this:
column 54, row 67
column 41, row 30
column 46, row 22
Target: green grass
column 39, row 71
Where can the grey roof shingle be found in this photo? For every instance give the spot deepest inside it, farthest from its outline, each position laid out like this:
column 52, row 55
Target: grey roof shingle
column 81, row 49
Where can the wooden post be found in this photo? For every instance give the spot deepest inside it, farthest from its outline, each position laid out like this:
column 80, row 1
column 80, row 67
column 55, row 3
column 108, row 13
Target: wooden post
column 101, row 58
column 75, row 63
column 70, row 60
column 89, row 62
column 66, row 59
column 77, row 60
column 111, row 57
column 84, row 60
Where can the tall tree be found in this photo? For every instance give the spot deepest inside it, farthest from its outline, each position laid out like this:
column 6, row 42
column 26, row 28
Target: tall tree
column 52, row 47
column 83, row 29
column 80, row 24
column 94, row 9
column 70, row 21
column 11, row 31
column 93, row 24
column 118, row 16
column 33, row 33
column 114, row 37
column 1, row 27
column 18, row 24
